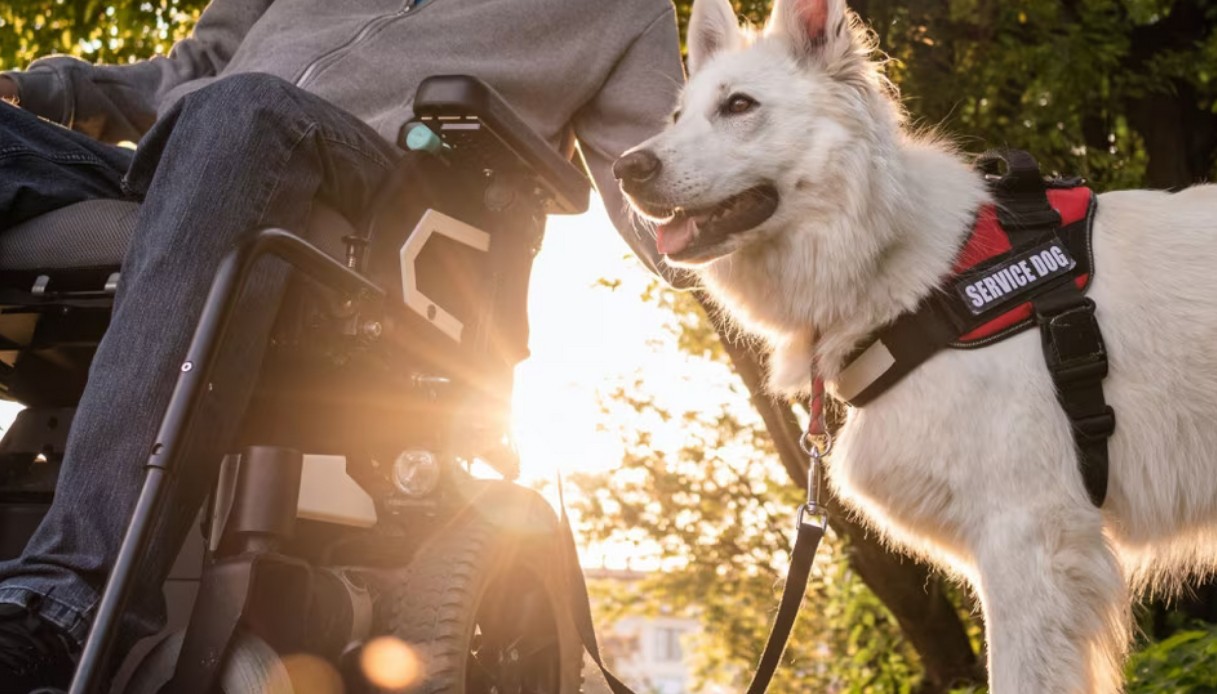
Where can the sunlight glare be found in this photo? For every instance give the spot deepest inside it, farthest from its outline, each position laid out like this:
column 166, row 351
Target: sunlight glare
column 587, row 339
column 584, row 337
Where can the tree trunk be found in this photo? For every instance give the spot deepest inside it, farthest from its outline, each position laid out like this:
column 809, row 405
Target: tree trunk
column 1179, row 137
column 1180, row 133
column 913, row 595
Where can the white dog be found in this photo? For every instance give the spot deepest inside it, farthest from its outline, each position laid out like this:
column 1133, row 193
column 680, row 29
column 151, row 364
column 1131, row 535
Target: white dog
column 788, row 182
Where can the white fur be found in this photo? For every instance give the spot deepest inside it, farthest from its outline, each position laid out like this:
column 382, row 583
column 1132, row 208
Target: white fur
column 969, row 461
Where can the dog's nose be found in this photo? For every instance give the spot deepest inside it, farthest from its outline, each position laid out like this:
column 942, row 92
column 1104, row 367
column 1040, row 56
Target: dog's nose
column 638, row 166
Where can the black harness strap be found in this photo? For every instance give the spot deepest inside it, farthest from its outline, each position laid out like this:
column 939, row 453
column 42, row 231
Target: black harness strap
column 1077, row 361
column 1072, row 342
column 1022, row 205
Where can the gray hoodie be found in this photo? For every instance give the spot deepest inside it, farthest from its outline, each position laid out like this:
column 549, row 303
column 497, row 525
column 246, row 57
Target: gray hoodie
column 609, row 68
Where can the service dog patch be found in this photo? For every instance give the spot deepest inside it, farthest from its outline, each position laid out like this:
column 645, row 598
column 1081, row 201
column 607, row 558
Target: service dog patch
column 1015, row 277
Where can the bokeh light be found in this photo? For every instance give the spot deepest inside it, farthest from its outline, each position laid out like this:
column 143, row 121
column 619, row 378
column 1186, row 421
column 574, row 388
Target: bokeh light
column 390, row 663
column 310, row 674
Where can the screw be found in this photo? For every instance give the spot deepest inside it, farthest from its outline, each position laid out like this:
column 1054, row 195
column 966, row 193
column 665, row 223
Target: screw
column 372, row 329
column 187, row 367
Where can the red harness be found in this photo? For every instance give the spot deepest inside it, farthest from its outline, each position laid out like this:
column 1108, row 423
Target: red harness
column 1028, row 261
column 989, row 240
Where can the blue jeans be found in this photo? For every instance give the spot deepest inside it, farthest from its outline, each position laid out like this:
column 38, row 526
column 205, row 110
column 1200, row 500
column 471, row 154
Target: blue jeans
column 246, row 152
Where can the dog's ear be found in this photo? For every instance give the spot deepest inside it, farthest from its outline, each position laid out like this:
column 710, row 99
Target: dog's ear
column 713, row 27
column 818, row 30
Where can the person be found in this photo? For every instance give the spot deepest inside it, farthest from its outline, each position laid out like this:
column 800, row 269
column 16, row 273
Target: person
column 264, row 108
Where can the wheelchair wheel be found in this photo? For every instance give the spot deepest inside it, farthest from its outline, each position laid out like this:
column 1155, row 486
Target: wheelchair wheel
column 252, row 667
column 484, row 611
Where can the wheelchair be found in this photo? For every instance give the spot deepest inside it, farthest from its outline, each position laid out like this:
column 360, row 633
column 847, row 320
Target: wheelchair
column 349, row 508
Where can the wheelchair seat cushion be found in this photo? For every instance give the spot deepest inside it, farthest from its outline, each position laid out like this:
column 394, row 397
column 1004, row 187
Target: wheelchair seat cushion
column 95, row 234
column 89, row 234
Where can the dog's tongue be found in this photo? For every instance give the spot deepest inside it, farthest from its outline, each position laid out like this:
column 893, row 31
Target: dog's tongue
column 676, row 235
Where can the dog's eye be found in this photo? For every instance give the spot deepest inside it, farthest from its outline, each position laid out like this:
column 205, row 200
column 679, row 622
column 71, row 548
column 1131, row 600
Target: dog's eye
column 676, row 115
column 738, row 103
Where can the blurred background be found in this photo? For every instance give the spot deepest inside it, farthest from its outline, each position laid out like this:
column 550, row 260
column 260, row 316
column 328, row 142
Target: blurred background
column 681, row 473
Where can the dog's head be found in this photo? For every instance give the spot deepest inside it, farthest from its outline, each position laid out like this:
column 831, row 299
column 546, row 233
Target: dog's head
column 771, row 130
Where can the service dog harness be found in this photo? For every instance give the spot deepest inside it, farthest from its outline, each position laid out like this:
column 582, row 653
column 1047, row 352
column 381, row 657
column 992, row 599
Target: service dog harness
column 1028, row 261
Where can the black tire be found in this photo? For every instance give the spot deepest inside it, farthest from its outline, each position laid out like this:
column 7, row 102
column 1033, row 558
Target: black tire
column 251, row 667
column 475, row 593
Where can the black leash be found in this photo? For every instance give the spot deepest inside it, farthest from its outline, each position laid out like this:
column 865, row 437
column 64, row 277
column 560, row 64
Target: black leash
column 811, row 520
column 807, row 540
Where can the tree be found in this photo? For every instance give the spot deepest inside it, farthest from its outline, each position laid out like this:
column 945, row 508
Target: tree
column 702, row 491
column 95, row 30
column 874, row 621
column 1121, row 91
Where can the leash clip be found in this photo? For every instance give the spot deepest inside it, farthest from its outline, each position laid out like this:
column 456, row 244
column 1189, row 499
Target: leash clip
column 815, row 467
column 816, row 442
column 810, row 514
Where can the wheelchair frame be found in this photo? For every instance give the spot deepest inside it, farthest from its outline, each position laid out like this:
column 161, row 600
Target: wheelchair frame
column 264, row 513
column 194, row 375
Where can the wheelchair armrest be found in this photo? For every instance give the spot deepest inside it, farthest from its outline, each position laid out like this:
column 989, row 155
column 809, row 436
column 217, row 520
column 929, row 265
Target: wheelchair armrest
column 448, row 103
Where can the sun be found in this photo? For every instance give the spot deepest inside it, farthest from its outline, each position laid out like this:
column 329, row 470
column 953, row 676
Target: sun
column 584, row 338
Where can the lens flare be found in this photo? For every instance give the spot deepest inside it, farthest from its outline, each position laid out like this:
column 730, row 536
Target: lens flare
column 390, row 663
column 310, row 674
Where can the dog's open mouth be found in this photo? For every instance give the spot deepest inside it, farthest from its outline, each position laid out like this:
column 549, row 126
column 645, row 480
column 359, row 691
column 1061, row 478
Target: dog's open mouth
column 689, row 234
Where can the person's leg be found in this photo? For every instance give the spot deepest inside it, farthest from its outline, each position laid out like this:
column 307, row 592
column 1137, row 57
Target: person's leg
column 44, row 166
column 247, row 152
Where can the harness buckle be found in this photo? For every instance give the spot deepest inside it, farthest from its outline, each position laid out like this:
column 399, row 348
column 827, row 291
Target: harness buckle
column 1073, row 343
column 1099, row 426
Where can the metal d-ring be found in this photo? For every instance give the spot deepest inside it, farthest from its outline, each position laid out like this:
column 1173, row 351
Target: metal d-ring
column 814, row 510
column 809, row 447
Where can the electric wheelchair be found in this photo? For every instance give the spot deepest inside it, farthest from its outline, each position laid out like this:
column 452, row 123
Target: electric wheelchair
column 348, row 508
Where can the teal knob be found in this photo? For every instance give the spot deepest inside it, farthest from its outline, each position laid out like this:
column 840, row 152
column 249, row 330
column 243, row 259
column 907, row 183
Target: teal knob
column 420, row 138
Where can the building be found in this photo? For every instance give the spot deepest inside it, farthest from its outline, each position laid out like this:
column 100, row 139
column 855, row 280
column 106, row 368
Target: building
column 647, row 652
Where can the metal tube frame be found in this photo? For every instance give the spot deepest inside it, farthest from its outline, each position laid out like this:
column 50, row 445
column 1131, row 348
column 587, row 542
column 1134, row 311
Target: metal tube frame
column 189, row 391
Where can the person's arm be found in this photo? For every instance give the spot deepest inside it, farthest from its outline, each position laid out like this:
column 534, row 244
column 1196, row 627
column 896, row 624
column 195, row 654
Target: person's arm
column 633, row 104
column 119, row 102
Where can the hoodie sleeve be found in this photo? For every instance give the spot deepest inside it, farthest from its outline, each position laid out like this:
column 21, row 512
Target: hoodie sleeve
column 119, row 102
column 634, row 104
